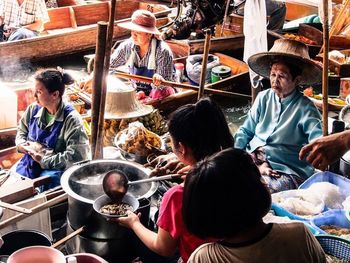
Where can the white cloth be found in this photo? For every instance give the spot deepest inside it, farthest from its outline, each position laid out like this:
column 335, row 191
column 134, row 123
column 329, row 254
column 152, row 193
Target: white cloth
column 255, row 33
column 152, row 58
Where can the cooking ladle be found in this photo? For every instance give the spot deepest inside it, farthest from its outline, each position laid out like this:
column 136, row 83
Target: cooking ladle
column 115, row 183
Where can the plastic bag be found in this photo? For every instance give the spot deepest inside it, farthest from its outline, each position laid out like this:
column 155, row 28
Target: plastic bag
column 346, row 203
column 194, row 67
column 255, row 33
column 299, row 202
column 329, row 193
column 137, row 139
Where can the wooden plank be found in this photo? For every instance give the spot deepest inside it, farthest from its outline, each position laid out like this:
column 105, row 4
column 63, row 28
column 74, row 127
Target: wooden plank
column 221, row 44
column 296, row 9
column 59, row 18
column 91, row 14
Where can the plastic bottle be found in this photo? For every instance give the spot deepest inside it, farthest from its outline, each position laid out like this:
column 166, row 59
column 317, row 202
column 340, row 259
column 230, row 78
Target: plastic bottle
column 179, row 72
column 72, row 260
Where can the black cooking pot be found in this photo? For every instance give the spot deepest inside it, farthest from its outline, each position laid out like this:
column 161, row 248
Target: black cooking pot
column 18, row 239
column 83, row 184
column 344, row 165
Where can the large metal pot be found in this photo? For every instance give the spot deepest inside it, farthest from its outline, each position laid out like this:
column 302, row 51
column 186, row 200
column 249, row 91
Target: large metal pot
column 344, row 165
column 83, row 184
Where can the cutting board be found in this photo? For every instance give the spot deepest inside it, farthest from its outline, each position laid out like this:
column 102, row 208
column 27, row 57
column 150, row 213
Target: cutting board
column 17, row 187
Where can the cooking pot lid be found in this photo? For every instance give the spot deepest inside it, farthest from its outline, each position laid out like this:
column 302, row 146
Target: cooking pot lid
column 221, row 70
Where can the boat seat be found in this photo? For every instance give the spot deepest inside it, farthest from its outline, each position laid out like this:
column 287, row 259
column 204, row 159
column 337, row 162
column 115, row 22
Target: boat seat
column 91, row 14
column 61, row 18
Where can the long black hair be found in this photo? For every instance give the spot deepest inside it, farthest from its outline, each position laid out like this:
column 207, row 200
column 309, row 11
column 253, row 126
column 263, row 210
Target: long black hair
column 224, row 195
column 54, row 79
column 202, row 127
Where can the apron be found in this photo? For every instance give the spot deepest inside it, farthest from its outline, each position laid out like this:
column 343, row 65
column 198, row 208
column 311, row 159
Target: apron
column 27, row 166
column 144, row 71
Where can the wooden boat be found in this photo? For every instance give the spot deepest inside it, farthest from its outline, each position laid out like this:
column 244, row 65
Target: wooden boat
column 298, row 9
column 237, row 83
column 311, row 32
column 72, row 29
column 232, row 45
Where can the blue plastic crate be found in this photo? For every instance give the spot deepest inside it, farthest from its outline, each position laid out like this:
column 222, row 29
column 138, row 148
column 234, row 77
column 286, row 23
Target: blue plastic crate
column 340, row 181
column 280, row 211
column 336, row 217
column 335, row 246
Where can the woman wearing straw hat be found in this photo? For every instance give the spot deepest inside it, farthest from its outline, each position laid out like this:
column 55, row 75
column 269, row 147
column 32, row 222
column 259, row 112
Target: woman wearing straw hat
column 144, row 54
column 281, row 119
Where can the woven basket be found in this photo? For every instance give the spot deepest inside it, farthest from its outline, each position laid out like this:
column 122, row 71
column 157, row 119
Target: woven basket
column 335, row 246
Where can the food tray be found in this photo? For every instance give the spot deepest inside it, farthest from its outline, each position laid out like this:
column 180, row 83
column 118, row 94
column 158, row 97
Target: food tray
column 279, row 211
column 336, row 217
column 336, row 179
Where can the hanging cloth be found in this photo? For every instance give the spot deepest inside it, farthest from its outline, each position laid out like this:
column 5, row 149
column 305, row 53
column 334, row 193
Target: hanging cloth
column 255, row 33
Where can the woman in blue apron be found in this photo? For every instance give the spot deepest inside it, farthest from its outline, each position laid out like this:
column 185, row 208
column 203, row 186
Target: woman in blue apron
column 51, row 132
column 143, row 54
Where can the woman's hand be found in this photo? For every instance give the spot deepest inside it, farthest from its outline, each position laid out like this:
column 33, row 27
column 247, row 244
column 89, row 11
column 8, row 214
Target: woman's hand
column 86, row 85
column 266, row 170
column 157, row 79
column 165, row 164
column 36, row 156
column 130, row 220
column 22, row 149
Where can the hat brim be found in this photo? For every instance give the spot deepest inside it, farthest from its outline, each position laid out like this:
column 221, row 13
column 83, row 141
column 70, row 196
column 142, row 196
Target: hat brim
column 135, row 27
column 261, row 64
column 142, row 111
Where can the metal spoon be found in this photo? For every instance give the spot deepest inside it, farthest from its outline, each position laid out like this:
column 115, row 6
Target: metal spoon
column 115, row 183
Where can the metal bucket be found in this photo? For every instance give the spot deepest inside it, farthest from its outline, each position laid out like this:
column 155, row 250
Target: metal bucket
column 83, row 184
column 344, row 165
column 220, row 72
column 19, row 239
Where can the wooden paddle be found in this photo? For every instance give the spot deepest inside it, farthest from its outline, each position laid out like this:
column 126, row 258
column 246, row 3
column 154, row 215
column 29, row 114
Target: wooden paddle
column 124, row 75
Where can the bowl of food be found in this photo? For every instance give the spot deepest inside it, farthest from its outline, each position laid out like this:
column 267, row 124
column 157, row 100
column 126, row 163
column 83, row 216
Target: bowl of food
column 109, row 209
column 136, row 143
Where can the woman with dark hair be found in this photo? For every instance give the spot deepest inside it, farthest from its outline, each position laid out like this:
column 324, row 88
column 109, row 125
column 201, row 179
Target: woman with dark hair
column 225, row 199
column 50, row 133
column 197, row 130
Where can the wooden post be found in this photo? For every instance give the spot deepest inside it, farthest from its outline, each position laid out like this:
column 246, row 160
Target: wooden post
column 107, row 55
column 204, row 63
column 97, row 84
column 325, row 68
column 225, row 17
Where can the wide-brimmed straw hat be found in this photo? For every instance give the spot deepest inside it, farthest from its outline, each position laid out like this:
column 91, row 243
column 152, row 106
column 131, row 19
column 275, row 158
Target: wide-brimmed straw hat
column 142, row 21
column 290, row 51
column 121, row 102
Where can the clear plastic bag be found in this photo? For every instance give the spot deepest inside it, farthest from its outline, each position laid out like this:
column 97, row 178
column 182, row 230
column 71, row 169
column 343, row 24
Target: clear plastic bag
column 136, row 139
